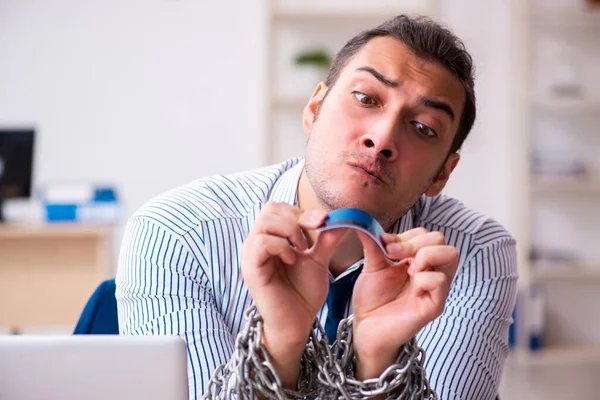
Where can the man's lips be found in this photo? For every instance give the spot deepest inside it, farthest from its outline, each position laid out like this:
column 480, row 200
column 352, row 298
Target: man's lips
column 370, row 171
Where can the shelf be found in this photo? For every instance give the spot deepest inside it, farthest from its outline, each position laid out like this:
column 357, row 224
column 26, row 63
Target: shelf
column 571, row 272
column 568, row 355
column 12, row 231
column 565, row 185
column 567, row 105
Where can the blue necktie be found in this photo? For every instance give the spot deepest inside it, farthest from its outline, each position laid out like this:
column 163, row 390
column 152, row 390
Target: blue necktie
column 339, row 294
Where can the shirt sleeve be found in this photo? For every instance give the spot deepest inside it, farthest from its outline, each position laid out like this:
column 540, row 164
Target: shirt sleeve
column 162, row 289
column 467, row 345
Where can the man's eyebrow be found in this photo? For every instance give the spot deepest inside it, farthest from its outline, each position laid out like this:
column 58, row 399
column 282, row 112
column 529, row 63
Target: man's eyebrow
column 379, row 76
column 438, row 105
column 426, row 101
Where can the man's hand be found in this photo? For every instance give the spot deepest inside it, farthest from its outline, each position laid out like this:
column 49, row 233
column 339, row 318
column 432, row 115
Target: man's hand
column 287, row 280
column 392, row 302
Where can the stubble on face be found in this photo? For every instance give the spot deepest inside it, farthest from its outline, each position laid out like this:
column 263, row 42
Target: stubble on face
column 323, row 171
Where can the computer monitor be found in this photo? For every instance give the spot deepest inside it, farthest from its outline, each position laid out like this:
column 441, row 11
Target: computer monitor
column 93, row 367
column 16, row 163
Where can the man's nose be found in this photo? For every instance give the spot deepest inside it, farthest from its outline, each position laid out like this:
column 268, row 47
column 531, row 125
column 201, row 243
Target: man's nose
column 381, row 141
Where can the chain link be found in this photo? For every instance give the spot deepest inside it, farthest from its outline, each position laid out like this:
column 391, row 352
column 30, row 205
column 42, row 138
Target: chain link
column 326, row 372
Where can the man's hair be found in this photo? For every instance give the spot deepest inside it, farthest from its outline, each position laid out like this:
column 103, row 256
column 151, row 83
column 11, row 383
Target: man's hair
column 429, row 41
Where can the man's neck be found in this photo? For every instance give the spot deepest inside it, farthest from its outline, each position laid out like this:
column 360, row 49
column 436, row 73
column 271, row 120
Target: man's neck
column 349, row 250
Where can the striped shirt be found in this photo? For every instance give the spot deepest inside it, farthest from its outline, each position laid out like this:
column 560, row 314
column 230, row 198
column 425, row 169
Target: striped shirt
column 179, row 274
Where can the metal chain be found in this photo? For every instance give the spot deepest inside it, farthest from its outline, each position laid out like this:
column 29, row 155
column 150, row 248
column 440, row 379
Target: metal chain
column 249, row 371
column 406, row 379
column 326, row 372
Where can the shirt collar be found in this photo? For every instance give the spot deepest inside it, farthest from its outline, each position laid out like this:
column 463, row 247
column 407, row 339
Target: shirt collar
column 285, row 188
column 411, row 219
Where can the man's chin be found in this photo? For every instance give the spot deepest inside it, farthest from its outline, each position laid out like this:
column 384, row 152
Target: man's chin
column 359, row 200
column 350, row 194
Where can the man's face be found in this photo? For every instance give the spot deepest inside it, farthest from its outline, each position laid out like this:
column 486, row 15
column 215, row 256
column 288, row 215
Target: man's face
column 383, row 134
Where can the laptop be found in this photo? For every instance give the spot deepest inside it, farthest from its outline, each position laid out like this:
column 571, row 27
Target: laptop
column 93, row 367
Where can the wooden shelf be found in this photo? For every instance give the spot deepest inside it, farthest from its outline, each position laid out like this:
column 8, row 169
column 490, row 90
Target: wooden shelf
column 568, row 355
column 58, row 230
column 565, row 185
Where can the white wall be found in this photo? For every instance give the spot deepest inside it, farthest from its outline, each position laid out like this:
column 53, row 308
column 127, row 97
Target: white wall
column 143, row 94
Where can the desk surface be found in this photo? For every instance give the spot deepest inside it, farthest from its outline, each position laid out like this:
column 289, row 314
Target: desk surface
column 62, row 230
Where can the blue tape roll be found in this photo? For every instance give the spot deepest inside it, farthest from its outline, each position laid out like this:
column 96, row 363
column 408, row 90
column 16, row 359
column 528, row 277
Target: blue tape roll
column 355, row 218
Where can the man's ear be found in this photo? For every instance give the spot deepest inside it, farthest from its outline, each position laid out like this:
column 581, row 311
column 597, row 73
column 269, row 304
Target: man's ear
column 311, row 109
column 440, row 182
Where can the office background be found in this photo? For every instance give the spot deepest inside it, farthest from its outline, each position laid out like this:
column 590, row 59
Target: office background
column 148, row 95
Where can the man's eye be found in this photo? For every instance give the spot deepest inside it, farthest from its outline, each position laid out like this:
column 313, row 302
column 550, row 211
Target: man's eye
column 365, row 99
column 424, row 130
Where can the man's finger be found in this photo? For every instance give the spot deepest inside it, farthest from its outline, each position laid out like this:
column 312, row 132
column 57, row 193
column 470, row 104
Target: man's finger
column 409, row 248
column 388, row 238
column 439, row 258
column 281, row 209
column 267, row 246
column 312, row 219
column 375, row 260
column 282, row 226
column 433, row 287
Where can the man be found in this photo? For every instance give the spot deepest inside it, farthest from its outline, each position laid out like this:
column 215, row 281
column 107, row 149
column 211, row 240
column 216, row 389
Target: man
column 384, row 132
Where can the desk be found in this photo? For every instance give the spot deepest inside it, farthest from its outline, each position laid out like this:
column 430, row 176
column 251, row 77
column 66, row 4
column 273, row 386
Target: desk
column 48, row 272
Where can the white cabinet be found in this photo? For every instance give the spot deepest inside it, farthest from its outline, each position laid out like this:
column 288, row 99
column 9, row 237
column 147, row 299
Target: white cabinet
column 562, row 103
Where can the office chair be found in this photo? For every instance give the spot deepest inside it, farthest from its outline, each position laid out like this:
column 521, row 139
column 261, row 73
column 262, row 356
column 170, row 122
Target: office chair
column 99, row 317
